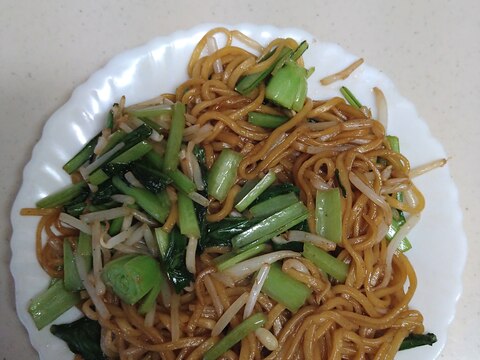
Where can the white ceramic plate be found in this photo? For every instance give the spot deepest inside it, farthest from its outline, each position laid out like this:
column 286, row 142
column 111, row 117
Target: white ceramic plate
column 160, row 66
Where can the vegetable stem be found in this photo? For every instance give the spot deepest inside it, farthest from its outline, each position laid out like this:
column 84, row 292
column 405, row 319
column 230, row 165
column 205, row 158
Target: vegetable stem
column 63, row 196
column 286, row 290
column 235, row 335
column 266, row 120
column 229, row 259
column 174, row 141
column 326, row 262
column 187, row 217
column 288, row 87
column 52, row 303
column 71, row 279
column 82, row 156
column 158, row 208
column 259, row 188
column 271, row 206
column 328, row 214
column 223, row 174
column 272, row 226
column 414, row 340
column 351, row 99
column 131, row 277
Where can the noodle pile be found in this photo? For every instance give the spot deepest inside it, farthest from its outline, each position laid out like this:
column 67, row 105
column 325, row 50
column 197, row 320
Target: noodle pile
column 328, row 143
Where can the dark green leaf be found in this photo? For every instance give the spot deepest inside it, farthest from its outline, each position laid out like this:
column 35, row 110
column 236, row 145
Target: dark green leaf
column 175, row 261
column 104, row 193
column 199, row 153
column 82, row 337
column 291, row 245
column 414, row 340
column 152, row 179
column 276, row 190
column 220, row 233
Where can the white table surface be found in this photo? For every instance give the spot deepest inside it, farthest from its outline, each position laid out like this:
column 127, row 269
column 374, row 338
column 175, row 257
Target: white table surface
column 430, row 49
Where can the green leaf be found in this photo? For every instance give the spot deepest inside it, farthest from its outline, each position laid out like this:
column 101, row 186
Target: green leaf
column 82, row 337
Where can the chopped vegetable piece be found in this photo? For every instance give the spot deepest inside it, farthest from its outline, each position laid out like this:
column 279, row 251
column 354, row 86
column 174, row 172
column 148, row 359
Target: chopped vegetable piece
column 104, row 193
column 150, row 299
column 286, row 290
column 174, row 141
column 174, row 261
column 152, row 111
column 276, row 190
column 326, row 262
column 394, row 143
column 82, row 337
column 405, row 244
column 288, row 87
column 250, row 82
column 151, row 123
column 220, row 233
column 272, row 226
column 162, row 241
column 115, row 226
column 52, row 303
column 113, row 140
column 300, row 50
column 223, row 174
column 229, row 259
column 296, row 246
column 152, row 179
column 71, row 279
column 158, row 208
column 272, row 205
column 82, row 156
column 84, row 249
column 414, row 340
column 109, row 123
column 63, row 196
column 131, row 277
column 235, row 335
column 266, row 120
column 259, row 188
column 187, row 217
column 352, row 100
column 328, row 214
column 132, row 154
column 180, row 180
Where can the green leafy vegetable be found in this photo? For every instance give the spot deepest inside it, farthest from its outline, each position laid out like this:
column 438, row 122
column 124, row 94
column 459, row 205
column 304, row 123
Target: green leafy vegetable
column 220, row 233
column 152, row 179
column 235, row 335
column 52, row 303
column 223, row 174
column 174, row 261
column 414, row 340
column 288, row 87
column 158, row 208
column 326, row 262
column 276, row 190
column 266, row 120
column 286, row 290
column 174, row 141
column 352, row 100
column 63, row 196
column 328, row 214
column 82, row 337
column 131, row 277
column 82, row 156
